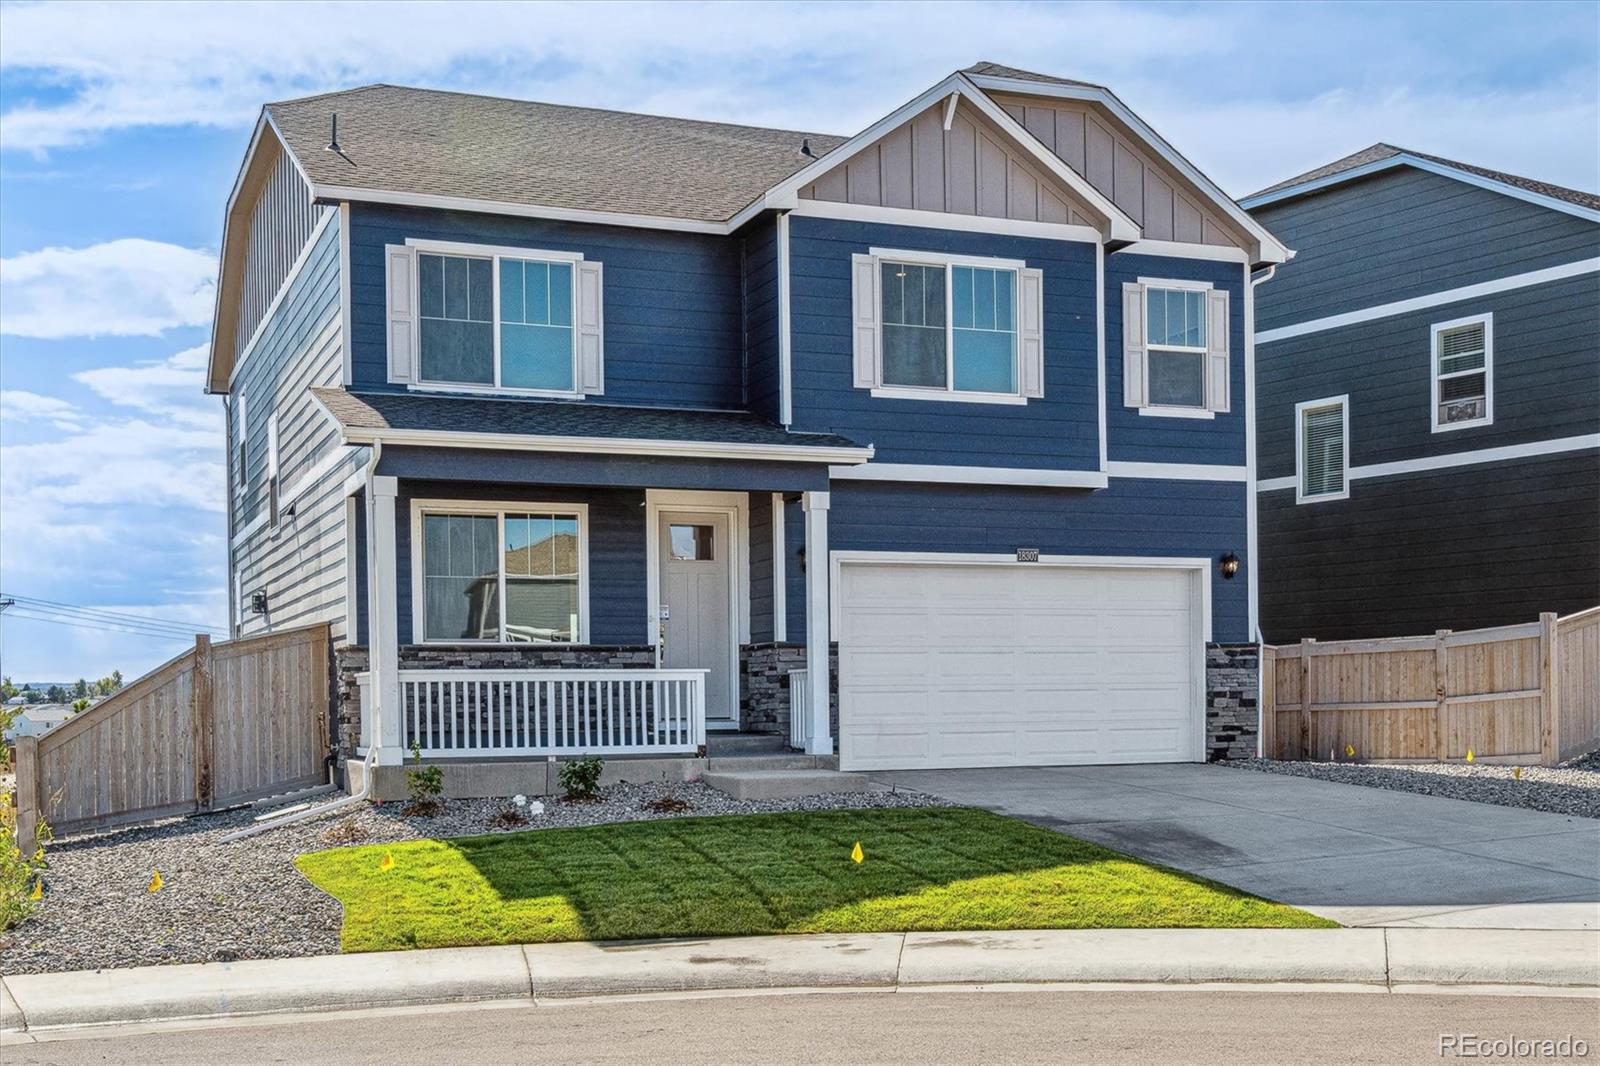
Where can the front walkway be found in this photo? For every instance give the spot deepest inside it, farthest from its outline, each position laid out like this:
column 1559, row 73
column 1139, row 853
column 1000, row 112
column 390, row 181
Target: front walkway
column 1361, row 856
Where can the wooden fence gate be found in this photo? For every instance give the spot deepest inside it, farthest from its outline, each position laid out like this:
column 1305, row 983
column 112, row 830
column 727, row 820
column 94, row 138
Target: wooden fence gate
column 1513, row 694
column 215, row 726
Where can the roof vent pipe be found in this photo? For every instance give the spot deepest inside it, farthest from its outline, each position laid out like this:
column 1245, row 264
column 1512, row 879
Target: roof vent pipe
column 333, row 136
column 805, row 148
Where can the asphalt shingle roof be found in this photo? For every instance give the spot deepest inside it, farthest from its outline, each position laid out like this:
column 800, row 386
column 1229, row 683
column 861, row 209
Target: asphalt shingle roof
column 984, row 68
column 556, row 418
column 424, row 141
column 1382, row 151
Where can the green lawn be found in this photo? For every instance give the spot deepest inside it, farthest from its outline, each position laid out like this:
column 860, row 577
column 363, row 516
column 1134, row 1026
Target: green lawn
column 924, row 869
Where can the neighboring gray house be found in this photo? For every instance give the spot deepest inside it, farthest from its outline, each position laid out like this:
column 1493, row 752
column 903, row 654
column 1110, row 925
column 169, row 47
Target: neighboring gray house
column 38, row 719
column 1428, row 399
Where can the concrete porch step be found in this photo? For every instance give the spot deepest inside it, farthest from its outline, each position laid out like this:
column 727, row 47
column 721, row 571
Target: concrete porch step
column 783, row 784
column 792, row 760
column 745, row 744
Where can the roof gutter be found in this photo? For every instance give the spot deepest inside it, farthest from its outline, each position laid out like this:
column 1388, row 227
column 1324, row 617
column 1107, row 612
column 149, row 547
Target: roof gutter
column 433, row 438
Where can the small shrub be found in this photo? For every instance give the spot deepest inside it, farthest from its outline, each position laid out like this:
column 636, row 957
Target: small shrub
column 580, row 778
column 21, row 864
column 425, row 784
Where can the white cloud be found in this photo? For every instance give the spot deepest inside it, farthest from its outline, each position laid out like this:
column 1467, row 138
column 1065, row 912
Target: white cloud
column 122, row 287
column 170, row 387
column 19, row 405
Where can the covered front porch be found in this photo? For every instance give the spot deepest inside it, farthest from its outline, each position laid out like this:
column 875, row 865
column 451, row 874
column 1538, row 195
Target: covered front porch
column 523, row 603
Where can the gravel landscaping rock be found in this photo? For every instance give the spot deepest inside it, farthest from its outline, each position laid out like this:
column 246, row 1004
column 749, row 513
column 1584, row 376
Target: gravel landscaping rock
column 221, row 902
column 1571, row 788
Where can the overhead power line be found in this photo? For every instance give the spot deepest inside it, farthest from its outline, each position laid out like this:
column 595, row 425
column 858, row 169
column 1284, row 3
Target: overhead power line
column 15, row 614
column 34, row 609
column 101, row 612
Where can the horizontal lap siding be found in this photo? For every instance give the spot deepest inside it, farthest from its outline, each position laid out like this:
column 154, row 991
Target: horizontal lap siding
column 617, row 585
column 300, row 565
column 1460, row 549
column 1133, row 517
column 763, row 374
column 760, row 564
column 1132, row 437
column 1057, row 431
column 674, row 318
column 1546, row 377
column 1406, row 233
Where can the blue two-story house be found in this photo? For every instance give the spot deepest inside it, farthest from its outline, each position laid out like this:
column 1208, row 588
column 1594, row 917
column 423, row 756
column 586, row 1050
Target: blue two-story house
column 600, row 432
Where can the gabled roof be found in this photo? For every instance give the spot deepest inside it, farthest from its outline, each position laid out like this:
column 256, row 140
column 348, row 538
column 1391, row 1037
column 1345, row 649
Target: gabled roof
column 984, row 68
column 1382, row 156
column 426, row 142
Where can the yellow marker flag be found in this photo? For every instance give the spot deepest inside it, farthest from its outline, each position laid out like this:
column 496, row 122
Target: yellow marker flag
column 1469, row 755
column 38, row 890
column 1350, row 751
column 1516, row 772
column 387, row 862
column 856, row 853
column 155, row 881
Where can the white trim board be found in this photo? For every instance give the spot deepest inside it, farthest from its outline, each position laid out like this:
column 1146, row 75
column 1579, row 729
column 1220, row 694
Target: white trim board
column 780, row 572
column 970, row 475
column 432, row 438
column 1434, row 299
column 905, row 216
column 1406, row 159
column 356, row 194
column 785, row 353
column 1216, row 253
column 1178, row 471
column 1509, row 452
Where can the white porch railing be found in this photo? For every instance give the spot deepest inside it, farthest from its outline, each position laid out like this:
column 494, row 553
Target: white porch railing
column 799, row 710
column 553, row 712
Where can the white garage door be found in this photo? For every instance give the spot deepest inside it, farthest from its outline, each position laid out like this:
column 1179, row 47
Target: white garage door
column 1016, row 665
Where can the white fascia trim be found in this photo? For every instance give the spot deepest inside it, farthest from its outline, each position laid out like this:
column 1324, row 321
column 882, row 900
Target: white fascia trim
column 1179, row 471
column 905, row 216
column 1100, row 346
column 971, row 475
column 1272, row 249
column 347, row 332
column 434, row 438
column 780, row 572
column 500, row 207
column 222, row 247
column 1507, row 453
column 1201, row 567
column 785, row 352
column 1406, row 160
column 1216, row 253
column 1434, row 299
column 288, row 282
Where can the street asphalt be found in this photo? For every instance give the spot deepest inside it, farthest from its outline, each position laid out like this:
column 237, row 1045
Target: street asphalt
column 1109, row 1027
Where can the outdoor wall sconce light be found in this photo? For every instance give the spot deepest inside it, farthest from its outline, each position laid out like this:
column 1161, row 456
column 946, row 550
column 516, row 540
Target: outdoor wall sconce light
column 258, row 601
column 801, row 555
column 1229, row 565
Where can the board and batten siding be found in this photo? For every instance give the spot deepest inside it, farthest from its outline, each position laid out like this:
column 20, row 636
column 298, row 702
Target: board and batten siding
column 301, row 563
column 969, row 169
column 1059, row 430
column 1133, row 517
column 1464, row 548
column 1404, row 233
column 674, row 330
column 1133, row 437
column 1546, row 377
column 280, row 225
column 1114, row 163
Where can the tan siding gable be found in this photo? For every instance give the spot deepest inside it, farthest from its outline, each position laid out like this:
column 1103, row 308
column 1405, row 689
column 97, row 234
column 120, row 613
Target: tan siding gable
column 1088, row 141
column 971, row 169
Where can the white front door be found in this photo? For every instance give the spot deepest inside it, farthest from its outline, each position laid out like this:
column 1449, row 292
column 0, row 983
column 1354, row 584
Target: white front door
column 696, row 597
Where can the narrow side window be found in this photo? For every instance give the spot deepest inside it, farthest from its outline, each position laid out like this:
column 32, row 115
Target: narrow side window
column 1322, row 450
column 1462, row 373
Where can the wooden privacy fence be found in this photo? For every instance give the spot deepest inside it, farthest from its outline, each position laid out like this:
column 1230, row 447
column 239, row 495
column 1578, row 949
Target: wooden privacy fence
column 1525, row 693
column 217, row 725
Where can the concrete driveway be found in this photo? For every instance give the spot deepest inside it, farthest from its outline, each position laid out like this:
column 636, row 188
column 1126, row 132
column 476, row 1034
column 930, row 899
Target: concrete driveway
column 1361, row 856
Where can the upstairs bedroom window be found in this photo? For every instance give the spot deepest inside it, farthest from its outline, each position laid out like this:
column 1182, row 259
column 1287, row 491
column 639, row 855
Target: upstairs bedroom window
column 1463, row 373
column 933, row 327
column 1175, row 348
column 481, row 318
column 515, row 576
column 1322, row 450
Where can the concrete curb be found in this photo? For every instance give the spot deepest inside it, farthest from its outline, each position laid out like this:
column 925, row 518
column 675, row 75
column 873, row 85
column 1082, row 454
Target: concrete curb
column 1374, row 959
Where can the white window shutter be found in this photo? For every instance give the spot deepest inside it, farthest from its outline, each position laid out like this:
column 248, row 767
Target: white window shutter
column 1134, row 391
column 401, row 270
column 591, row 328
column 864, row 318
column 1217, row 350
column 1030, row 335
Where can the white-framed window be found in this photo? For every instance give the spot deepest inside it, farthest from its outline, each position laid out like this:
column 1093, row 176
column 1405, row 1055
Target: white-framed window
column 1322, row 449
column 929, row 326
column 484, row 318
column 1461, row 374
column 272, row 482
column 241, row 446
column 1175, row 348
column 510, row 573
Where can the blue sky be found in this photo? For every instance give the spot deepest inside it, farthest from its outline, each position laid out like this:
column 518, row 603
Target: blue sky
column 122, row 125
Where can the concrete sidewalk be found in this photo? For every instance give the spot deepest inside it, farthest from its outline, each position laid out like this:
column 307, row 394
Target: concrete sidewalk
column 1372, row 959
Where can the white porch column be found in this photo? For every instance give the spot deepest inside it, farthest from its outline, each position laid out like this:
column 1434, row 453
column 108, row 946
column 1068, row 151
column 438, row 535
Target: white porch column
column 383, row 625
column 815, row 505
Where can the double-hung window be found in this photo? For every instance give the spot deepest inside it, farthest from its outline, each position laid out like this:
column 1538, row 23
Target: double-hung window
column 1175, row 348
column 934, row 327
column 1462, row 373
column 500, row 319
column 1322, row 449
column 516, row 575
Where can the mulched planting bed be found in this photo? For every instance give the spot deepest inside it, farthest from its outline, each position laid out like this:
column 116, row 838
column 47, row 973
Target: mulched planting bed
column 1572, row 788
column 221, row 902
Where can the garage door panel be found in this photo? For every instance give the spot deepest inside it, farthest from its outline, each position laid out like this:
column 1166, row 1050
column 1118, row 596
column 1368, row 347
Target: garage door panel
column 955, row 665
